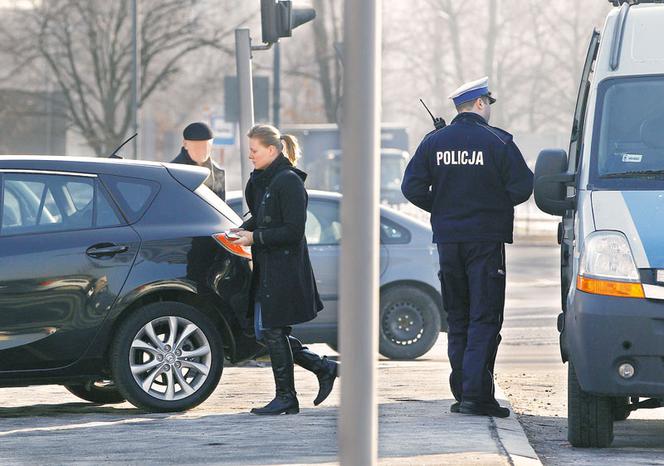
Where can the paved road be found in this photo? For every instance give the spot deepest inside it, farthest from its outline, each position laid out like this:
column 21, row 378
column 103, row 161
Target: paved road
column 47, row 425
column 531, row 373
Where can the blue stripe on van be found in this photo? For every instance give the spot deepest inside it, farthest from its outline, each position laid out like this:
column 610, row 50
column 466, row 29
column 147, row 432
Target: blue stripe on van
column 647, row 210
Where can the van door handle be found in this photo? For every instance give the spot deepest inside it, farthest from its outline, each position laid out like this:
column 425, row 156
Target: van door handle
column 106, row 250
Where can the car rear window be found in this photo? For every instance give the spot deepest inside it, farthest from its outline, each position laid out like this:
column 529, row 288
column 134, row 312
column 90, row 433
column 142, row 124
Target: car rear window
column 133, row 195
column 393, row 233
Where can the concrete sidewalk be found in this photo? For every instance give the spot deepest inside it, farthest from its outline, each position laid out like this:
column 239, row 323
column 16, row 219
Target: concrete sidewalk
column 47, row 425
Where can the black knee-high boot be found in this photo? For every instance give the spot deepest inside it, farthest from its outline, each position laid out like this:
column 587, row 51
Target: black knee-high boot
column 285, row 401
column 326, row 371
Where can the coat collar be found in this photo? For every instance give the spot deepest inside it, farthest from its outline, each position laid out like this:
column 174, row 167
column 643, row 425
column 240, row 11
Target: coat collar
column 469, row 117
column 264, row 177
column 184, row 158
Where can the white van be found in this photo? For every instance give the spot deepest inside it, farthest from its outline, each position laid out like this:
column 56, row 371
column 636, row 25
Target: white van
column 610, row 194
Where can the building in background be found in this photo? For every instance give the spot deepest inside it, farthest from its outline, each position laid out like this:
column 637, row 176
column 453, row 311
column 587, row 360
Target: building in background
column 32, row 122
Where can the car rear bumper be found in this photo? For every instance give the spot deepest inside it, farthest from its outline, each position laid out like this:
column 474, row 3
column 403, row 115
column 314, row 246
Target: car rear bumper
column 603, row 332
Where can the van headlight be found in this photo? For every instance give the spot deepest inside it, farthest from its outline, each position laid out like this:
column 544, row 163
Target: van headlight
column 607, row 266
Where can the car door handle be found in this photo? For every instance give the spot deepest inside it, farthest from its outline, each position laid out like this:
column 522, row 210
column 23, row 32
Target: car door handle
column 106, row 249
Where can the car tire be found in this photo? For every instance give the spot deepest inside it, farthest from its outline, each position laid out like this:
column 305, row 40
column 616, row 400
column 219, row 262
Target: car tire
column 621, row 409
column 159, row 369
column 409, row 322
column 590, row 417
column 98, row 392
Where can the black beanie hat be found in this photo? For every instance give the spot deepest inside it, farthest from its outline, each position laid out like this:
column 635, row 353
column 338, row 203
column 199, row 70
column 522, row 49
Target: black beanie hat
column 198, row 131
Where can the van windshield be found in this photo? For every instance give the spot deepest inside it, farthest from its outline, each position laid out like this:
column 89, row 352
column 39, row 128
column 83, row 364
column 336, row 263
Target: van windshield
column 629, row 130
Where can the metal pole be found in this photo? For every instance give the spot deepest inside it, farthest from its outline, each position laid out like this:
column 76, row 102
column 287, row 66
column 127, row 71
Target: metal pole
column 359, row 267
column 135, row 83
column 245, row 92
column 276, row 98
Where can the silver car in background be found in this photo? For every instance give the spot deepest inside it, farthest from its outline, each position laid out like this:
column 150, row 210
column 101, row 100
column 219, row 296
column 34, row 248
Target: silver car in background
column 411, row 307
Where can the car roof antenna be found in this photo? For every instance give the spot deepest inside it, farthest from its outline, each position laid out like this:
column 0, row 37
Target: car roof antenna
column 115, row 155
column 438, row 122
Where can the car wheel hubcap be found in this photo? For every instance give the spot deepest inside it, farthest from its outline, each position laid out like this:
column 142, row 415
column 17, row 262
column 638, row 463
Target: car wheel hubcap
column 170, row 358
column 403, row 324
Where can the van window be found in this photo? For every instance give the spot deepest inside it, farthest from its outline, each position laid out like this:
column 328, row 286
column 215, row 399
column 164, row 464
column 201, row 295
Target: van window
column 628, row 142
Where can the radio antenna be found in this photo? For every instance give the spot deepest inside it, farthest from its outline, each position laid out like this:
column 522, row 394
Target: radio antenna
column 114, row 154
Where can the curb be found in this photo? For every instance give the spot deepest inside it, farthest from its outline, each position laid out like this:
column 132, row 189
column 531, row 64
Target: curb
column 512, row 436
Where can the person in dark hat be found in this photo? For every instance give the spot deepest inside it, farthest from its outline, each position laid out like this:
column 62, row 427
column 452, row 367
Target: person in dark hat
column 197, row 150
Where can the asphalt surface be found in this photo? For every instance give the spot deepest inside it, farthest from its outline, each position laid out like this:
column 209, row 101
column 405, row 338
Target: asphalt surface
column 531, row 373
column 47, row 425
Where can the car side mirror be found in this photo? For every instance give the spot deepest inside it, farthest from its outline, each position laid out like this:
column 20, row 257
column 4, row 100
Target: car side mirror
column 551, row 181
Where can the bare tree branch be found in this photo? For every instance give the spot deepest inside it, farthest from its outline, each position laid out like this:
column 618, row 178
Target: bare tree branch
column 86, row 45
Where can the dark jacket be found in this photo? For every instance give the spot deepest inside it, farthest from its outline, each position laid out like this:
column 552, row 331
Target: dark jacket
column 469, row 175
column 283, row 280
column 217, row 179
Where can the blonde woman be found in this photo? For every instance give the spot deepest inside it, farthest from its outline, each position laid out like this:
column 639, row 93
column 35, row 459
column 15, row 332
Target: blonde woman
column 283, row 287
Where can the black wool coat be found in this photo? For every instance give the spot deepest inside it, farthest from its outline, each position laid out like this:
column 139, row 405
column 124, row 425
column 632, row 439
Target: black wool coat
column 283, row 279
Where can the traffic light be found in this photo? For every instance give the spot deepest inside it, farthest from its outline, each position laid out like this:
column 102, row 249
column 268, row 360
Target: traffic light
column 279, row 18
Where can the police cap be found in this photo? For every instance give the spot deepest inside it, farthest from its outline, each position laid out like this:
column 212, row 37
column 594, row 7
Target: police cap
column 471, row 91
column 198, row 131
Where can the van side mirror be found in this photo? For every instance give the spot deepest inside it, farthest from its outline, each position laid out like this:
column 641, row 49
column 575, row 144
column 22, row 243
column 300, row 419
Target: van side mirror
column 551, row 181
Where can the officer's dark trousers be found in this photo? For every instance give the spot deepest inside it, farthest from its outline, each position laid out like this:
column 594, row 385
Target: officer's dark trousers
column 473, row 286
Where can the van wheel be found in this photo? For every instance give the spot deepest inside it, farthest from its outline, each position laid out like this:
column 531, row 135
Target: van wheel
column 590, row 417
column 101, row 392
column 621, row 409
column 166, row 357
column 409, row 322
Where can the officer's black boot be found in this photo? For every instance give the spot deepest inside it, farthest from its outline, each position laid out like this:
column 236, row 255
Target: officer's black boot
column 483, row 409
column 326, row 371
column 456, row 384
column 285, row 401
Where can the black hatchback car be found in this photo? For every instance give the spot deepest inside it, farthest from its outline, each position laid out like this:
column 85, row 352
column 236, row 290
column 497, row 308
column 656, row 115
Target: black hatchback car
column 117, row 282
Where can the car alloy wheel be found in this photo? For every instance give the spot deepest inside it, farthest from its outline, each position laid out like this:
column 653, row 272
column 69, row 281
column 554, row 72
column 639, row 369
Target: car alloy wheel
column 167, row 356
column 170, row 358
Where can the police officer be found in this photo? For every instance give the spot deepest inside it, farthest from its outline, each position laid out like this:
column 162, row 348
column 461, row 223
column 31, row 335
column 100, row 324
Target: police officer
column 469, row 176
column 197, row 150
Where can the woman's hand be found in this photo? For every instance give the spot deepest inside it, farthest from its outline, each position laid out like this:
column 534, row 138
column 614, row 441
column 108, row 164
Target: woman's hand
column 246, row 238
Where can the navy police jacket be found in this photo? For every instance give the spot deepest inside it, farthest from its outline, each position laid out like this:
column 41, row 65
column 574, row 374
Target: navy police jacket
column 469, row 176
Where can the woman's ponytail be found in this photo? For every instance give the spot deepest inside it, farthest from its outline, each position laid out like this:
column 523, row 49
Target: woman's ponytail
column 270, row 136
column 291, row 148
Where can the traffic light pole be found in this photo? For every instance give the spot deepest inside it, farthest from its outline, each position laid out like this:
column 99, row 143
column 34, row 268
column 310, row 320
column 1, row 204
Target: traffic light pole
column 276, row 98
column 278, row 19
column 135, row 78
column 246, row 100
column 359, row 267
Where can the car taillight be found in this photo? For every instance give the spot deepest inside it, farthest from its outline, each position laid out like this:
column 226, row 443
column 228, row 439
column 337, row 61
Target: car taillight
column 230, row 246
